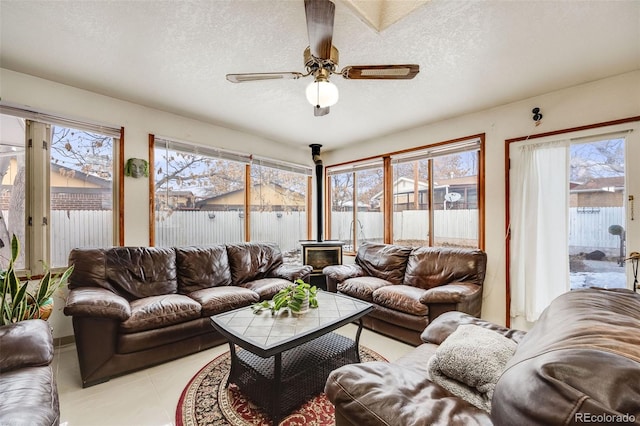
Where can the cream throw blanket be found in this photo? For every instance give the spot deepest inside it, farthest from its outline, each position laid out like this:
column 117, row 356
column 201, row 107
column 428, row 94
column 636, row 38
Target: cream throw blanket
column 469, row 363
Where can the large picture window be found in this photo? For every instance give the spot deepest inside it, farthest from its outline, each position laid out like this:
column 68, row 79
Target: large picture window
column 199, row 195
column 432, row 197
column 57, row 187
column 203, row 195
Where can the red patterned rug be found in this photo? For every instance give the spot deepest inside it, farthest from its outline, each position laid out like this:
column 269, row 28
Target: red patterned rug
column 206, row 400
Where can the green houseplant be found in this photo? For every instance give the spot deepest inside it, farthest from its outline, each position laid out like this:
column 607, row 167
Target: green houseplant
column 298, row 297
column 21, row 301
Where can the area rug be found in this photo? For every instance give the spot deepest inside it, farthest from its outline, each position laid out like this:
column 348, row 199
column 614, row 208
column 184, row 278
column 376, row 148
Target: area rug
column 206, row 400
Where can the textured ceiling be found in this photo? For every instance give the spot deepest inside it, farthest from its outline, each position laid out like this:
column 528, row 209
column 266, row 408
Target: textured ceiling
column 173, row 55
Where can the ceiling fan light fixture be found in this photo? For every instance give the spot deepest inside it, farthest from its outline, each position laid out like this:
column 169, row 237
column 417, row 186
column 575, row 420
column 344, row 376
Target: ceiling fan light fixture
column 322, row 93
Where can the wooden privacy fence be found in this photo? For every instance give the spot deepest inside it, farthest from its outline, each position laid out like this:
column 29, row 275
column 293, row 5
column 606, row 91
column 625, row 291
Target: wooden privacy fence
column 78, row 228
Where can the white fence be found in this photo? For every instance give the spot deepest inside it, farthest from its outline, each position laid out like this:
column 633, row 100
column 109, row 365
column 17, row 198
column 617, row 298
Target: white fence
column 589, row 228
column 183, row 228
column 94, row 228
column 453, row 226
column 78, row 228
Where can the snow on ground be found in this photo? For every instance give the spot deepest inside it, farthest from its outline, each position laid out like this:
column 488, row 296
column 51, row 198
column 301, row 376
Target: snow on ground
column 598, row 279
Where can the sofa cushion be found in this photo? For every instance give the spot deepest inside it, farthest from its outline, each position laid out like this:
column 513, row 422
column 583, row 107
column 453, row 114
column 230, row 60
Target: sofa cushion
column 429, row 267
column 160, row 311
column 202, row 267
column 362, row 287
column 252, row 261
column 401, row 298
column 266, row 288
column 224, row 298
column 137, row 272
column 384, row 261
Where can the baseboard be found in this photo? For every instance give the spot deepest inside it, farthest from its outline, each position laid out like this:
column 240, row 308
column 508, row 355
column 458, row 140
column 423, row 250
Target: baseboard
column 63, row 341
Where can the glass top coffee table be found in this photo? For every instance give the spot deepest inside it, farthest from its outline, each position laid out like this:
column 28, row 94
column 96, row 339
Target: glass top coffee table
column 284, row 359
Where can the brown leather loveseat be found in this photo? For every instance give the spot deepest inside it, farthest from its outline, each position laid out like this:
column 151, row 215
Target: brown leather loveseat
column 28, row 391
column 410, row 287
column 579, row 364
column 134, row 307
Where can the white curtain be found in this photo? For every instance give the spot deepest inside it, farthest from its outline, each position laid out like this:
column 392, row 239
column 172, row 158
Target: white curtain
column 539, row 212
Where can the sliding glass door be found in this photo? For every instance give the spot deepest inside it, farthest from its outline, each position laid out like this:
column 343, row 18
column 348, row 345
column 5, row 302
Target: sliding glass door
column 572, row 214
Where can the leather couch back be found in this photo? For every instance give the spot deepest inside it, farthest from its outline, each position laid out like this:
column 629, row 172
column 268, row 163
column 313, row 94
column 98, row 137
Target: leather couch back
column 252, row 261
column 202, row 267
column 384, row 261
column 429, row 267
column 131, row 272
column 581, row 359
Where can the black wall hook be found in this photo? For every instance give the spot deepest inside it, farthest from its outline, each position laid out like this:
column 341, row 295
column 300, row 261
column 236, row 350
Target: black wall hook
column 536, row 114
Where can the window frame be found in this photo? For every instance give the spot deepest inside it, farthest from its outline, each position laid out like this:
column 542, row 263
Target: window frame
column 387, row 159
column 39, row 127
column 247, row 159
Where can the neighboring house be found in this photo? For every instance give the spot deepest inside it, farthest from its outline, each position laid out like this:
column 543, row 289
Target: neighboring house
column 70, row 189
column 266, row 197
column 409, row 196
column 598, row 192
column 175, row 200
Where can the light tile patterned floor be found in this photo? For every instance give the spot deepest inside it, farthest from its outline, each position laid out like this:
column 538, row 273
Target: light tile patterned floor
column 149, row 397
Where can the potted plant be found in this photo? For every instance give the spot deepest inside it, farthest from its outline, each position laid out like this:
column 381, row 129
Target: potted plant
column 298, row 297
column 28, row 300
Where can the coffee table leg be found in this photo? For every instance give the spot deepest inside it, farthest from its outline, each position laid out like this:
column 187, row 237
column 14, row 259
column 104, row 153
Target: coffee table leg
column 277, row 381
column 358, row 338
column 232, row 351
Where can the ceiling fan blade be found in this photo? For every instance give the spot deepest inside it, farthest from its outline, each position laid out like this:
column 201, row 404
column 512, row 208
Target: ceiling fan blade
column 381, row 72
column 242, row 78
column 320, row 14
column 319, row 112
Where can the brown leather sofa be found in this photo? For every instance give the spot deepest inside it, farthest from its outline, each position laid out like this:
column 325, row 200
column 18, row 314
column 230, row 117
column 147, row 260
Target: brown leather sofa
column 28, row 391
column 579, row 364
column 134, row 307
column 409, row 287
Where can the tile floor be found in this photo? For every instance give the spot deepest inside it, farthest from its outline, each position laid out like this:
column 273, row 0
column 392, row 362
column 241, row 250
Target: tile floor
column 150, row 396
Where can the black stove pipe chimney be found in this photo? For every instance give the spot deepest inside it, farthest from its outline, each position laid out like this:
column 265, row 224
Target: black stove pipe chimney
column 315, row 153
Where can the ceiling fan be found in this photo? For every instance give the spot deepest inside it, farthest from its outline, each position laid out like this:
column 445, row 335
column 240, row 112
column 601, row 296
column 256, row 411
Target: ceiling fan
column 321, row 61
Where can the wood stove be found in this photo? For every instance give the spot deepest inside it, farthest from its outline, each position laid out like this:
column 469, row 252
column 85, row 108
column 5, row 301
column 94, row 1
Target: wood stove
column 321, row 254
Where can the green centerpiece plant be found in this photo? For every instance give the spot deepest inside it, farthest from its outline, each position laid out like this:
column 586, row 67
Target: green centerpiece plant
column 29, row 299
column 298, row 297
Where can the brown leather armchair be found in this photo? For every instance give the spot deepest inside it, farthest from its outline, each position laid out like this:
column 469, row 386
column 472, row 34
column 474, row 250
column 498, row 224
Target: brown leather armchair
column 410, row 287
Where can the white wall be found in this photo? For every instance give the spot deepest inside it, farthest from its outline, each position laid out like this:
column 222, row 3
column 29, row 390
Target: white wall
column 33, row 93
column 604, row 100
column 600, row 101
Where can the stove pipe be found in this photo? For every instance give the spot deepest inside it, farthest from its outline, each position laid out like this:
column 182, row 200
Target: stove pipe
column 315, row 153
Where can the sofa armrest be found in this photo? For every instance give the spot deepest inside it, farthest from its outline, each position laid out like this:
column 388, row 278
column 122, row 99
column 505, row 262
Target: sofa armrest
column 343, row 272
column 25, row 344
column 97, row 302
column 291, row 272
column 381, row 393
column 338, row 273
column 440, row 328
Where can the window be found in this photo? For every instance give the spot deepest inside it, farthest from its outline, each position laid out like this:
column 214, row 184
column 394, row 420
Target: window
column 434, row 195
column 356, row 210
column 436, row 188
column 200, row 197
column 57, row 187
